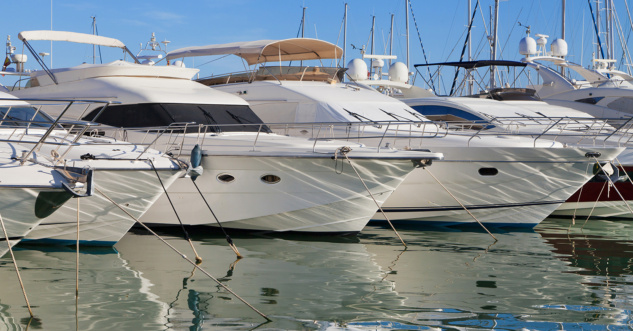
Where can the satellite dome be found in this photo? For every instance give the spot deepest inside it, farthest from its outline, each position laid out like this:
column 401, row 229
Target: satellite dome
column 377, row 63
column 527, row 46
column 559, row 48
column 178, row 64
column 357, row 69
column 398, row 72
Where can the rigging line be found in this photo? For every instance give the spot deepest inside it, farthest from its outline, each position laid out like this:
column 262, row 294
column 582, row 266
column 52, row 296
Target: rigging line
column 595, row 26
column 15, row 264
column 213, row 60
column 510, row 34
column 344, row 150
column 77, row 272
column 466, row 209
column 594, row 205
column 461, row 58
column 426, row 61
column 183, row 255
column 182, row 226
column 228, row 238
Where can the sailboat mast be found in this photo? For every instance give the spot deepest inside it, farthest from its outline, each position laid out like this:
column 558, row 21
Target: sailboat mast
column 391, row 39
column 470, row 56
column 94, row 32
column 494, row 44
column 345, row 36
column 406, row 2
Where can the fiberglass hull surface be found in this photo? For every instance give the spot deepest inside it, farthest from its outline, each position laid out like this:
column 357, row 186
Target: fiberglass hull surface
column 101, row 222
column 529, row 184
column 313, row 194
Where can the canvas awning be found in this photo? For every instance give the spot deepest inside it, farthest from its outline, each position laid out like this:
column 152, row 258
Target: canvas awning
column 70, row 37
column 262, row 51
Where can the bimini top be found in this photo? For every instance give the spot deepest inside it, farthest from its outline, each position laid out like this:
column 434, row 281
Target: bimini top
column 74, row 37
column 262, row 51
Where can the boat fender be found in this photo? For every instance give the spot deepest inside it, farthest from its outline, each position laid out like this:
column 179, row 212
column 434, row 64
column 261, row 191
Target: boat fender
column 195, row 168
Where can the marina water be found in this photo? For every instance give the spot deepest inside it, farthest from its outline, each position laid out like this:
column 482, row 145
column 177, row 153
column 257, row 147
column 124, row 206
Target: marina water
column 557, row 276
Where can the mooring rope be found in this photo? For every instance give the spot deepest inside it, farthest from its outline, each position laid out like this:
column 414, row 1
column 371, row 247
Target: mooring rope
column 594, row 204
column 228, row 238
column 15, row 264
column 77, row 273
column 182, row 226
column 615, row 188
column 344, row 150
column 182, row 255
column 466, row 209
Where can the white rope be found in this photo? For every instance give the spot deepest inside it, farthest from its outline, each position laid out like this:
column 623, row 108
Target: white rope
column 15, row 264
column 181, row 254
column 615, row 188
column 344, row 150
column 466, row 209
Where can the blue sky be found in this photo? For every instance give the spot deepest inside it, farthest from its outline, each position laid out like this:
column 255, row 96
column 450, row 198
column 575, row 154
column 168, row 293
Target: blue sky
column 442, row 24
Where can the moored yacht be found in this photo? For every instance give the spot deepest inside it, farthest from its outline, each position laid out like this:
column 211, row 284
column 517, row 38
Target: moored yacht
column 124, row 172
column 518, row 181
column 253, row 179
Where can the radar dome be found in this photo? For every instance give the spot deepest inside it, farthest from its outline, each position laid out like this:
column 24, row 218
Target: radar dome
column 377, row 63
column 398, row 72
column 179, row 64
column 357, row 69
column 559, row 48
column 19, row 58
column 527, row 46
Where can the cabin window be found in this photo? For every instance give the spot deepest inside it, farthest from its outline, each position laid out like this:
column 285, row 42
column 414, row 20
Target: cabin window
column 218, row 118
column 450, row 114
column 18, row 116
column 488, row 171
column 226, row 178
column 270, row 179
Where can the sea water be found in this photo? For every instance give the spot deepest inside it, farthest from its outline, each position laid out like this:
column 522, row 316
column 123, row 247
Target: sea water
column 558, row 276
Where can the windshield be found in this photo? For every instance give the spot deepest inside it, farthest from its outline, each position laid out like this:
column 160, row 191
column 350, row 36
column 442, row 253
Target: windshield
column 23, row 116
column 219, row 118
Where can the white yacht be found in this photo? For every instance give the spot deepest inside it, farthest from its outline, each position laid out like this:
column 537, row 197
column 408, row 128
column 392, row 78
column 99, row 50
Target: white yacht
column 126, row 173
column 502, row 180
column 253, row 179
column 30, row 191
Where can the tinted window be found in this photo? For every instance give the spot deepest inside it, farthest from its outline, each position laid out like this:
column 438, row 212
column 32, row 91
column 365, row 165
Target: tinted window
column 18, row 116
column 228, row 118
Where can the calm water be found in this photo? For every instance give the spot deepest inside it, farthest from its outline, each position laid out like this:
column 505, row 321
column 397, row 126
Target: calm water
column 554, row 277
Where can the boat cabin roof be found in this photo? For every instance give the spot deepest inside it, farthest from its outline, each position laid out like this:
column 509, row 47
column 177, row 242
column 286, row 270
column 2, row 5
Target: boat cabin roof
column 262, row 51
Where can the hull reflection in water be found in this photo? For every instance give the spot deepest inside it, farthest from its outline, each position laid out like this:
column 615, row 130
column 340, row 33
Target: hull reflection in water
column 542, row 279
column 112, row 296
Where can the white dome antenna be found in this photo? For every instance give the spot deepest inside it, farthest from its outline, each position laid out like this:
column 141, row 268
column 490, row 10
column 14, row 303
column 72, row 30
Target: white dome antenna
column 357, row 69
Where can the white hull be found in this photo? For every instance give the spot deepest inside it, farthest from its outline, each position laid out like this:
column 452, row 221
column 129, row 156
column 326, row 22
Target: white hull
column 531, row 183
column 101, row 222
column 312, row 196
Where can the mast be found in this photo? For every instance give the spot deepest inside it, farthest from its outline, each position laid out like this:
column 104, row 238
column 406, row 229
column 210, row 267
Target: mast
column 345, row 36
column 562, row 69
column 470, row 56
column 94, row 32
column 303, row 28
column 373, row 26
column 406, row 2
column 494, row 44
column 598, row 27
column 391, row 39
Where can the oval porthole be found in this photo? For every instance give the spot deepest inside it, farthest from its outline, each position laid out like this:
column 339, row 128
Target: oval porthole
column 270, row 179
column 226, row 178
column 488, row 171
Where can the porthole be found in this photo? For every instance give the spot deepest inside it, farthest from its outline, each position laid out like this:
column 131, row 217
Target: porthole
column 270, row 179
column 488, row 171
column 226, row 178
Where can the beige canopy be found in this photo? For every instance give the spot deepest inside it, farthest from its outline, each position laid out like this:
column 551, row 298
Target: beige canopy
column 71, row 37
column 262, row 51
